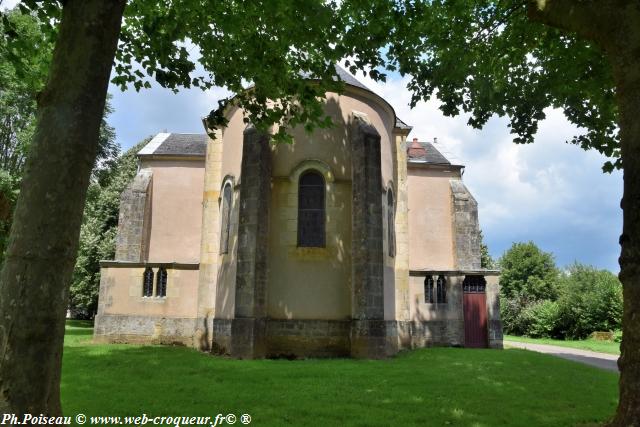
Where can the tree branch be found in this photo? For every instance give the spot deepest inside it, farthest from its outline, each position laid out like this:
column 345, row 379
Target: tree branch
column 589, row 19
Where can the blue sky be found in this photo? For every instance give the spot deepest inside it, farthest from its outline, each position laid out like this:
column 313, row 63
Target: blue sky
column 550, row 192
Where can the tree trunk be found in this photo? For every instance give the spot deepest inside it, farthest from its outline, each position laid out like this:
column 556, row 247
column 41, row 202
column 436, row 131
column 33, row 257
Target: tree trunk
column 626, row 65
column 44, row 236
column 614, row 26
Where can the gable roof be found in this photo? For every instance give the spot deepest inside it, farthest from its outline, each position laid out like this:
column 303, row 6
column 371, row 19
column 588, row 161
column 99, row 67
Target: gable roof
column 429, row 154
column 176, row 145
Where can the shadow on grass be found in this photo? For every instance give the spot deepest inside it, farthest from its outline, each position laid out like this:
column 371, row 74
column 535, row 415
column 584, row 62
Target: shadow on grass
column 423, row 387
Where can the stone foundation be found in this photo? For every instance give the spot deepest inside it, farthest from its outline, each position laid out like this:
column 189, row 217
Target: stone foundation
column 338, row 338
column 111, row 328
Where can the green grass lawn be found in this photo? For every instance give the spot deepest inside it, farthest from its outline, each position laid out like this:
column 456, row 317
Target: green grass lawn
column 588, row 344
column 427, row 387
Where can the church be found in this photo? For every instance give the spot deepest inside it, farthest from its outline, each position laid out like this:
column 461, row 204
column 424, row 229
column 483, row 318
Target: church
column 354, row 241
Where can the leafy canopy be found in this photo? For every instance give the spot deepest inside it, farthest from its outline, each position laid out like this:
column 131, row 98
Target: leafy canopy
column 529, row 272
column 486, row 57
column 284, row 49
column 480, row 57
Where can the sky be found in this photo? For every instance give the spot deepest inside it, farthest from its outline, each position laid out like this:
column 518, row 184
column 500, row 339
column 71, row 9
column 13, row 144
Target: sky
column 550, row 192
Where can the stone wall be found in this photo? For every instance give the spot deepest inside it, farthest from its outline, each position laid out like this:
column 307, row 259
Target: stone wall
column 248, row 326
column 126, row 315
column 465, row 227
column 134, row 221
column 209, row 246
column 368, row 336
column 143, row 329
column 305, row 338
column 443, row 324
column 493, row 309
column 402, row 306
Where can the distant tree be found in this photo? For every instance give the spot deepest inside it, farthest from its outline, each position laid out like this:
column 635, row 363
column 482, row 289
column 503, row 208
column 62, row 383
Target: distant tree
column 528, row 272
column 98, row 230
column 486, row 261
column 20, row 82
column 590, row 300
column 528, row 276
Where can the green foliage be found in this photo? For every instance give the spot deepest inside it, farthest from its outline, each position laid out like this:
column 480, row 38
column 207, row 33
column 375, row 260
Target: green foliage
column 98, row 231
column 511, row 310
column 537, row 301
column 590, row 300
column 21, row 79
column 528, row 276
column 528, row 272
column 541, row 319
column 489, row 58
column 617, row 336
column 486, row 261
column 8, row 195
column 284, row 49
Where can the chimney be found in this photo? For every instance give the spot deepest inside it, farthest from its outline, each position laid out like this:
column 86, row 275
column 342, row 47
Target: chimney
column 435, row 140
column 416, row 149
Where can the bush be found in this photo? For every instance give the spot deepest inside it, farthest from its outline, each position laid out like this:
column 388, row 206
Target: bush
column 540, row 319
column 617, row 336
column 590, row 300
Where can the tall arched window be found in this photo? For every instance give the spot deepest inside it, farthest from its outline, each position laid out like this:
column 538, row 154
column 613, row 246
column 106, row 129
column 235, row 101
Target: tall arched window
column 391, row 223
column 441, row 290
column 311, row 213
column 225, row 219
column 147, row 282
column 161, row 282
column 428, row 290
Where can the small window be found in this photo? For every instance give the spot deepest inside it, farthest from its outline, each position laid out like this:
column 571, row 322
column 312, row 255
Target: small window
column 147, row 282
column 474, row 284
column 428, row 290
column 225, row 219
column 391, row 224
column 161, row 282
column 311, row 214
column 441, row 290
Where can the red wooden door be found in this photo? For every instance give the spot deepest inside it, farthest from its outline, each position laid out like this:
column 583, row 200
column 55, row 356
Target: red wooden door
column 475, row 312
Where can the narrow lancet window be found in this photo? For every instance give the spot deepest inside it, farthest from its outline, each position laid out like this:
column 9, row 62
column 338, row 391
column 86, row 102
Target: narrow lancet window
column 391, row 223
column 161, row 282
column 311, row 211
column 428, row 290
column 147, row 282
column 225, row 219
column 441, row 290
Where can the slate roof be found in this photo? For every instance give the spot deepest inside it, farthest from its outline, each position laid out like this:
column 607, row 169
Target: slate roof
column 346, row 77
column 432, row 155
column 402, row 125
column 176, row 145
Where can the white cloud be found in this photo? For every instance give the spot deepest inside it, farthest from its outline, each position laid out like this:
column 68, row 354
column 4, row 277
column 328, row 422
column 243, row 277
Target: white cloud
column 8, row 4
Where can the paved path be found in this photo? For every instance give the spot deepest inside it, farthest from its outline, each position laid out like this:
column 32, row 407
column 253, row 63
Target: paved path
column 599, row 360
